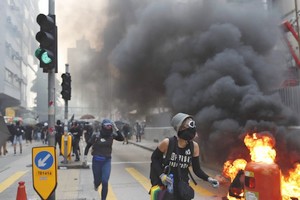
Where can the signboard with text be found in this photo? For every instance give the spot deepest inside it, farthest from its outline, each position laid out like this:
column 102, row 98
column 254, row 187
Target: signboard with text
column 44, row 170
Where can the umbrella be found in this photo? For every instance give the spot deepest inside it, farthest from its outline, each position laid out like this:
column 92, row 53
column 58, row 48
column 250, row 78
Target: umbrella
column 4, row 132
column 87, row 116
column 29, row 121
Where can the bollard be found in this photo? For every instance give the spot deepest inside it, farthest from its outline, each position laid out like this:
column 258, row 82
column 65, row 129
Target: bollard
column 21, row 194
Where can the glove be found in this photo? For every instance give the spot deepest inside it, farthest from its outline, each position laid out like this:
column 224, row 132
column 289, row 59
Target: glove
column 213, row 182
column 165, row 179
column 115, row 126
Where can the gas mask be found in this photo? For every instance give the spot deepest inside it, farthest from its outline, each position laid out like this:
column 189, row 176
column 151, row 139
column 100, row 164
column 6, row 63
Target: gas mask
column 187, row 134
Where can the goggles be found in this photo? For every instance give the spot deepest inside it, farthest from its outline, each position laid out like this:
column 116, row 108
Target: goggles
column 191, row 124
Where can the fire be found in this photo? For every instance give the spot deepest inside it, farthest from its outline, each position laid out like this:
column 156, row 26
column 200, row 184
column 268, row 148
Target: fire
column 290, row 184
column 231, row 169
column 261, row 147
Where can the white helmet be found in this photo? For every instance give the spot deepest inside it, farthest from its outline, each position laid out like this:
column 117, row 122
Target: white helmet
column 45, row 124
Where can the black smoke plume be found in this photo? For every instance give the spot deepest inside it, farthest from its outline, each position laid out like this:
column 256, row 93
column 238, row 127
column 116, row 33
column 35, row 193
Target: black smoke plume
column 217, row 61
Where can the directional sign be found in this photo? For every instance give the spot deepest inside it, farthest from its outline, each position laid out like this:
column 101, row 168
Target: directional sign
column 44, row 170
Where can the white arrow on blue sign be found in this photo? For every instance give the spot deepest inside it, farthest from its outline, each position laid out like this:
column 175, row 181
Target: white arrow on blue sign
column 44, row 160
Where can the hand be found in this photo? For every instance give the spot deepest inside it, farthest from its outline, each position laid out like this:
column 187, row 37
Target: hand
column 213, row 182
column 115, row 126
column 165, row 179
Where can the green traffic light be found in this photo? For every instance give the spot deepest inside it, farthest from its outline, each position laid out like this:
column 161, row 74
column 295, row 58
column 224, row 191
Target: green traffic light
column 45, row 58
column 38, row 52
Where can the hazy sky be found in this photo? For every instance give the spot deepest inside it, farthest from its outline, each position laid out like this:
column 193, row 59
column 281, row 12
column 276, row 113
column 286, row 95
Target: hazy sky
column 76, row 19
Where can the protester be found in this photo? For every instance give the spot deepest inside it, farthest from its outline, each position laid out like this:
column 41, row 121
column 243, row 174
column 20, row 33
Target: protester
column 28, row 133
column 59, row 131
column 126, row 131
column 18, row 136
column 76, row 131
column 101, row 143
column 185, row 127
column 138, row 132
column 88, row 131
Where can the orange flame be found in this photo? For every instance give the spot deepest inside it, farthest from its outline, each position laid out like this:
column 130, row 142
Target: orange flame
column 230, row 169
column 261, row 150
column 290, row 184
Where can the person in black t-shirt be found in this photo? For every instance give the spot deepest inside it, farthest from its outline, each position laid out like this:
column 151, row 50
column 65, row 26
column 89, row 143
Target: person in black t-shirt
column 76, row 131
column 59, row 129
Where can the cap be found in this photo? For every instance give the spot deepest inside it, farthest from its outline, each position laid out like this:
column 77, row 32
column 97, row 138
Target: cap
column 106, row 122
column 178, row 119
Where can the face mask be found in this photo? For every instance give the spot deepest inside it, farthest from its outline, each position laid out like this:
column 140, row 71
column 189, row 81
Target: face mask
column 187, row 134
column 106, row 132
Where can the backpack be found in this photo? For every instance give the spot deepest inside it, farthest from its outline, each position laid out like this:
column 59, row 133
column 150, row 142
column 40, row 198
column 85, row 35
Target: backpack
column 171, row 146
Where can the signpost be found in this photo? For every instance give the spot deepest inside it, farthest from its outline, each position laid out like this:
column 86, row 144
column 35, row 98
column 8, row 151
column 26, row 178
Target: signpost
column 44, row 170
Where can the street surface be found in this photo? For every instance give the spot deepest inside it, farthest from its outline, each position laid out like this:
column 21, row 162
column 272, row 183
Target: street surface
column 129, row 178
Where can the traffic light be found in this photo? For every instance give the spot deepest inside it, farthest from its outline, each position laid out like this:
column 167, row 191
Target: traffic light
column 47, row 37
column 66, row 86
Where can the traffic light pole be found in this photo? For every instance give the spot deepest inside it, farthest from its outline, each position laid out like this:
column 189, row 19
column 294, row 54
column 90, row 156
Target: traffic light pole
column 66, row 126
column 51, row 99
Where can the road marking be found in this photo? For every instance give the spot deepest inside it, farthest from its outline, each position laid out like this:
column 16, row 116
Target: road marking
column 9, row 181
column 110, row 195
column 145, row 182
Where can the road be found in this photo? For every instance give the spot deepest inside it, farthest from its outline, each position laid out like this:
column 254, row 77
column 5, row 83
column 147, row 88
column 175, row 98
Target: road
column 129, row 178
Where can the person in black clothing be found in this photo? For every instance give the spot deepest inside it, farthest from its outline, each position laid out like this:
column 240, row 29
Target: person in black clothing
column 28, row 133
column 87, row 131
column 59, row 129
column 126, row 130
column 101, row 143
column 138, row 132
column 76, row 131
column 185, row 127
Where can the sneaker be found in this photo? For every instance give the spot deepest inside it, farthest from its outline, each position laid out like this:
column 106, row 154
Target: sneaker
column 77, row 160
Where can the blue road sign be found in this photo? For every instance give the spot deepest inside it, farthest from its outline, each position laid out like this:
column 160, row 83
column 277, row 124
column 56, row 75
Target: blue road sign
column 44, row 160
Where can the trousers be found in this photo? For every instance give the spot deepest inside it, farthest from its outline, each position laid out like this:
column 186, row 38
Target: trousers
column 101, row 167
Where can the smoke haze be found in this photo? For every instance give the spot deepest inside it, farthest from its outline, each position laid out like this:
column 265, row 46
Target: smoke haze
column 213, row 60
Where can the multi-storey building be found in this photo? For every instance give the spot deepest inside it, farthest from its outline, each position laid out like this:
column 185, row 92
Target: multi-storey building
column 17, row 63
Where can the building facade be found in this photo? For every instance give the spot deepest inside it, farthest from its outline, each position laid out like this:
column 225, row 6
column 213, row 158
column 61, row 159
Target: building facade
column 18, row 66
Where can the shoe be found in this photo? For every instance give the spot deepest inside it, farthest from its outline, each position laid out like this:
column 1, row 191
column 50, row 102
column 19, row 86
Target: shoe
column 95, row 188
column 77, row 160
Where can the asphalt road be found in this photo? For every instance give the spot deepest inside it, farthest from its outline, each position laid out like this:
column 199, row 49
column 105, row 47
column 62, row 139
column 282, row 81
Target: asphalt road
column 128, row 181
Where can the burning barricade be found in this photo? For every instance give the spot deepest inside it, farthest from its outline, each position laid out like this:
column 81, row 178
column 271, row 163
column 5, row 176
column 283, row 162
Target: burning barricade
column 261, row 178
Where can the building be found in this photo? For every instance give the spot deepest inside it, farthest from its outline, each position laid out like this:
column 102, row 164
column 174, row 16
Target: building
column 18, row 66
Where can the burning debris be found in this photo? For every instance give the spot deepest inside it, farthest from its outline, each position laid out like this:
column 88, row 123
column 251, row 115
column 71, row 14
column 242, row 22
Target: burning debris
column 262, row 176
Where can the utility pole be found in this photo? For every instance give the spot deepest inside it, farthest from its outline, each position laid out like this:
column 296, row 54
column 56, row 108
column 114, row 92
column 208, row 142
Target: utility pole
column 51, row 99
column 66, row 125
